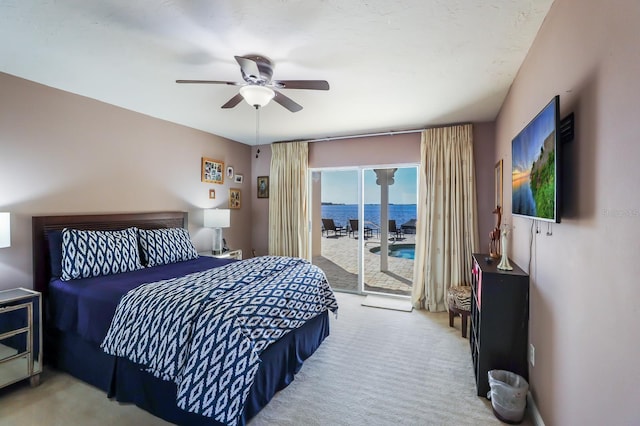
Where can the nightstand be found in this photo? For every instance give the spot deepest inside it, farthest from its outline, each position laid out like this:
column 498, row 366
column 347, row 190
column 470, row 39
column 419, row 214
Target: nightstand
column 231, row 254
column 20, row 336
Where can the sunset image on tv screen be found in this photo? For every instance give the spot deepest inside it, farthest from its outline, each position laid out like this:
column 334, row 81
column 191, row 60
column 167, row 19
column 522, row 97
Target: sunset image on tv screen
column 534, row 167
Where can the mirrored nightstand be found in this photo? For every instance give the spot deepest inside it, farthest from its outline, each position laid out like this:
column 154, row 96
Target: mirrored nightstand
column 20, row 336
column 231, row 254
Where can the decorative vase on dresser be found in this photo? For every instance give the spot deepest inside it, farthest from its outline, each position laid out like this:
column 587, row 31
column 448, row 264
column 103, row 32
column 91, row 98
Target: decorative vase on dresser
column 504, row 261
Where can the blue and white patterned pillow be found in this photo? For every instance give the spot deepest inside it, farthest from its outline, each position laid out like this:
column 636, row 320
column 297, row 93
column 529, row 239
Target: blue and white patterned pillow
column 163, row 246
column 91, row 253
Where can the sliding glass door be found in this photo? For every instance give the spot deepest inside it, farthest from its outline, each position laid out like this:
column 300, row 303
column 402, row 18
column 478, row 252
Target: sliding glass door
column 335, row 203
column 363, row 227
column 390, row 196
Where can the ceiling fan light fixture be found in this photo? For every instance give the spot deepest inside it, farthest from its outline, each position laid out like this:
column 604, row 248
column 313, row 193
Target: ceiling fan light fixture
column 257, row 96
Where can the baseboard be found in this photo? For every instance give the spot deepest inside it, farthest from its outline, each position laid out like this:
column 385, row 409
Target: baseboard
column 534, row 414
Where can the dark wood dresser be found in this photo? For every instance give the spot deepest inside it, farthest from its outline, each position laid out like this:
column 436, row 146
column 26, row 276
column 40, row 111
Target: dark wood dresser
column 499, row 320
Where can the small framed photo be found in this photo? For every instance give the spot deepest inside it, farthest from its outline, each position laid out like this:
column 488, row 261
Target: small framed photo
column 238, row 179
column 234, row 198
column 229, row 172
column 212, row 170
column 263, row 186
column 497, row 181
column 212, row 194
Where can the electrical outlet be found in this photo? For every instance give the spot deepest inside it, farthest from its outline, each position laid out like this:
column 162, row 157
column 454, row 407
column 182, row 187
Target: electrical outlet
column 532, row 355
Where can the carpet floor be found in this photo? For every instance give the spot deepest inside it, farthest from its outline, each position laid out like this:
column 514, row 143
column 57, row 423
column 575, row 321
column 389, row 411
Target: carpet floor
column 383, row 367
column 378, row 367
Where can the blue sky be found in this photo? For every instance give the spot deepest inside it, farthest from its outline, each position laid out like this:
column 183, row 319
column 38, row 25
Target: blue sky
column 526, row 145
column 342, row 187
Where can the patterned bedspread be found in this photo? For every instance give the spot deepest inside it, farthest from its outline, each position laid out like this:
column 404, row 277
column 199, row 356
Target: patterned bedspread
column 205, row 331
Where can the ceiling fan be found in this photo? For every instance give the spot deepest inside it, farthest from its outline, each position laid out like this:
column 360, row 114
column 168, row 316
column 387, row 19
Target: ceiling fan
column 258, row 88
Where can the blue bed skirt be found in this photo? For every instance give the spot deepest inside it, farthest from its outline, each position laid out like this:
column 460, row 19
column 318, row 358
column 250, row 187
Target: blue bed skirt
column 124, row 381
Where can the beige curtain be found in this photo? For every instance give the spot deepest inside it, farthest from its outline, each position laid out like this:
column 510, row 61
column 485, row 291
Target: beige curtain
column 447, row 226
column 288, row 221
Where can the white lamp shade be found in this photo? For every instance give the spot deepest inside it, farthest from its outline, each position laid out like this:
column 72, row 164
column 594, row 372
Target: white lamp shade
column 257, row 95
column 217, row 218
column 5, row 230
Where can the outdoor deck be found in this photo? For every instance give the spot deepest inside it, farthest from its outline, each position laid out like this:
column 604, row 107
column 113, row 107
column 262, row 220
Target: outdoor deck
column 339, row 260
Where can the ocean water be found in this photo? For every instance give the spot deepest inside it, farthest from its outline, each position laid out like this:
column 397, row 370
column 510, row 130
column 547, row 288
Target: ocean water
column 341, row 213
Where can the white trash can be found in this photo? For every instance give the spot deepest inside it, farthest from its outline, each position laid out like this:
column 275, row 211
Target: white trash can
column 508, row 395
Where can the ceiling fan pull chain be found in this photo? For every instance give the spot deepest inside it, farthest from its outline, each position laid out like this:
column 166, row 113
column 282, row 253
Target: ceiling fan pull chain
column 257, row 125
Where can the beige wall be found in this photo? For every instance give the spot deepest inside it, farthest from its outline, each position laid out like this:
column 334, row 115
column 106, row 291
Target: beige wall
column 366, row 151
column 484, row 154
column 62, row 153
column 381, row 150
column 584, row 295
column 260, row 166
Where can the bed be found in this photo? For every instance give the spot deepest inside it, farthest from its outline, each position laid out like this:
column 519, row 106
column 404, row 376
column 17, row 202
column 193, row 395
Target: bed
column 82, row 316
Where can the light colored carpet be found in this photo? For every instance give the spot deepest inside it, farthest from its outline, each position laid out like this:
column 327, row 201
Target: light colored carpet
column 378, row 367
column 387, row 303
column 61, row 400
column 383, row 367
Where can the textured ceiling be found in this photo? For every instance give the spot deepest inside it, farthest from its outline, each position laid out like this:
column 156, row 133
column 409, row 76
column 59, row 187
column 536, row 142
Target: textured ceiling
column 391, row 65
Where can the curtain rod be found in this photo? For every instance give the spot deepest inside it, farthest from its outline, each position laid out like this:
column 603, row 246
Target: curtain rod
column 366, row 135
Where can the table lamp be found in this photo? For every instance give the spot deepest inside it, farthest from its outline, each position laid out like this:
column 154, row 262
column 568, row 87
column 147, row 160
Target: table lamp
column 217, row 219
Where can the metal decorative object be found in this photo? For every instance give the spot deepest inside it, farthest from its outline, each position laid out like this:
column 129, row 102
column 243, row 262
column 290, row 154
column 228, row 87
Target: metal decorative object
column 494, row 236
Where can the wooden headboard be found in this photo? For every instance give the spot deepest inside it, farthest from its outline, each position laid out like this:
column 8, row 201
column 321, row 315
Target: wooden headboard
column 105, row 222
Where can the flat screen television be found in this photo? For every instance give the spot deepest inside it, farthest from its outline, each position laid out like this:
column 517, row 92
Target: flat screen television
column 534, row 166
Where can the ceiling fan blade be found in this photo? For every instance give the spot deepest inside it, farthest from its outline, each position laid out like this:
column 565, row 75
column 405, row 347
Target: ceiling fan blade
column 229, row 83
column 233, row 101
column 249, row 67
column 286, row 102
column 302, row 84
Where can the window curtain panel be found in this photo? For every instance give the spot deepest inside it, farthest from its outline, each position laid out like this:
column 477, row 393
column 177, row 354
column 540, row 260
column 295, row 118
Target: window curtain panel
column 447, row 226
column 288, row 222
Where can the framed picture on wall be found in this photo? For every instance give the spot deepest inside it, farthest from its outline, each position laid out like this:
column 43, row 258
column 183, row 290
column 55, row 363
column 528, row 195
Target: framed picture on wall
column 229, row 172
column 263, row 186
column 234, row 198
column 212, row 194
column 212, row 170
column 238, row 179
column 497, row 177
